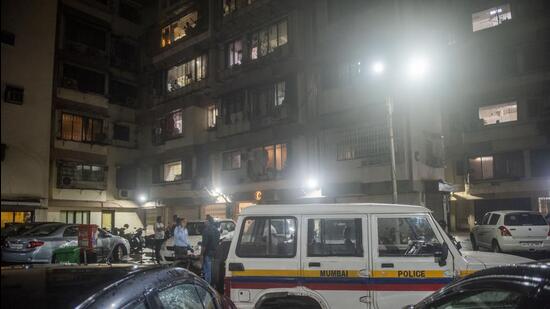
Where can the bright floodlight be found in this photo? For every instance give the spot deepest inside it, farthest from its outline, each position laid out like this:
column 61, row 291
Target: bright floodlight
column 378, row 67
column 142, row 198
column 312, row 183
column 217, row 191
column 417, row 68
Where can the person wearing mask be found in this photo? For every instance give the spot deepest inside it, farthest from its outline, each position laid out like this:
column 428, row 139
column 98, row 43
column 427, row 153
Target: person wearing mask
column 181, row 243
column 159, row 237
column 210, row 240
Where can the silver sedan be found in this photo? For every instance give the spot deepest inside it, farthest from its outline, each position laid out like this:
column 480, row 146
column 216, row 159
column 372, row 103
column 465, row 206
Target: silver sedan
column 37, row 245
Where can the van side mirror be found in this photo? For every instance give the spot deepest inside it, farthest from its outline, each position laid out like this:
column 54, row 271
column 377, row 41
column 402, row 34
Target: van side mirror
column 441, row 252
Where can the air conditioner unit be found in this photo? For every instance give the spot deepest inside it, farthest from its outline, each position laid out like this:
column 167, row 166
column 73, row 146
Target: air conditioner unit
column 125, row 194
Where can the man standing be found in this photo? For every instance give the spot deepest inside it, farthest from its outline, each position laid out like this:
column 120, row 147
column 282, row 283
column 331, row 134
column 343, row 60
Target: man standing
column 159, row 237
column 210, row 240
column 181, row 243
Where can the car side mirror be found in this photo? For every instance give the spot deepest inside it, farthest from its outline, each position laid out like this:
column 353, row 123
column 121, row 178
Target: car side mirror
column 441, row 252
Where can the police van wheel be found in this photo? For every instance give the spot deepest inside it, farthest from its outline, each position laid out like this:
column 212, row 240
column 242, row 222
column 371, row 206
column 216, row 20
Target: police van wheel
column 475, row 246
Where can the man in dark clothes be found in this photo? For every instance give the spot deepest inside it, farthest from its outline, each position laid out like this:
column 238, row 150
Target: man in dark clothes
column 210, row 240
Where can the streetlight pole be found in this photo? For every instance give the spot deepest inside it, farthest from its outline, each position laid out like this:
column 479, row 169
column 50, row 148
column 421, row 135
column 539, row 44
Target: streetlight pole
column 389, row 104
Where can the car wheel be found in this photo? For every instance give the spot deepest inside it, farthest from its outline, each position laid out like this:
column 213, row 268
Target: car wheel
column 495, row 246
column 475, row 246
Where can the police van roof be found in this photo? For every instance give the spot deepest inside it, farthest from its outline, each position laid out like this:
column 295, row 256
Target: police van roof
column 347, row 208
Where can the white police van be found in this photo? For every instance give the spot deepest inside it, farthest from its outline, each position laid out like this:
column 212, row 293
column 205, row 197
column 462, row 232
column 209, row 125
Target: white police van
column 343, row 256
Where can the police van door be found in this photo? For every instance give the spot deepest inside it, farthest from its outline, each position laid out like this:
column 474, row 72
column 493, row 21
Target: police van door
column 404, row 253
column 334, row 259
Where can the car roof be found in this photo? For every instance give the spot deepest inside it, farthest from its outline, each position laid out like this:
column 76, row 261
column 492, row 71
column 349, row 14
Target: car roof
column 97, row 285
column 297, row 209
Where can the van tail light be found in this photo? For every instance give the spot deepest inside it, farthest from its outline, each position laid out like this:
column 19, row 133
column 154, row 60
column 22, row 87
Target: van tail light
column 504, row 231
column 34, row 244
column 227, row 287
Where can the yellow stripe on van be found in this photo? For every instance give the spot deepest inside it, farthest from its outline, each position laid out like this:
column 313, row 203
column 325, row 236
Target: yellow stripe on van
column 266, row 273
column 464, row 273
column 412, row 273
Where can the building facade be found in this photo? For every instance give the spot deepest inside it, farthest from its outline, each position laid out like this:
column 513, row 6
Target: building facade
column 497, row 138
column 28, row 45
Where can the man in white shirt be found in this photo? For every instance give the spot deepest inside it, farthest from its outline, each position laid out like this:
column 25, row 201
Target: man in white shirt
column 159, row 237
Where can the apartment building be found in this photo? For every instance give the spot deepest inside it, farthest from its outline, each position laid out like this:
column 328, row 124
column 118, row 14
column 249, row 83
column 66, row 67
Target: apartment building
column 28, row 44
column 498, row 124
column 94, row 148
column 254, row 99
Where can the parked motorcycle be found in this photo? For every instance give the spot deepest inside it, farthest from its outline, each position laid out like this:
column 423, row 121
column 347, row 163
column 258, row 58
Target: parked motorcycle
column 137, row 242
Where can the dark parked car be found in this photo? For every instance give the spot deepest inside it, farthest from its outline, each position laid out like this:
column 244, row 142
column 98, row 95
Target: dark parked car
column 107, row 286
column 513, row 286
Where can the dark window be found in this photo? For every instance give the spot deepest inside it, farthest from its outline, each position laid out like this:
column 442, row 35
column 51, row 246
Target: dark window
column 80, row 176
column 524, row 218
column 128, row 12
column 540, row 163
column 265, row 101
column 8, row 38
column 233, row 107
column 90, row 36
column 334, row 237
column 82, row 79
column 13, row 94
column 126, row 177
column 234, row 53
column 504, row 165
column 408, row 236
column 81, row 129
column 124, row 54
column 230, row 6
column 267, row 237
column 494, row 219
column 121, row 133
column 231, row 160
column 123, row 94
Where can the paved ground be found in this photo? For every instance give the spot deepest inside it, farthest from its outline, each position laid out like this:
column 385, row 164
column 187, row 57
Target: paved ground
column 464, row 239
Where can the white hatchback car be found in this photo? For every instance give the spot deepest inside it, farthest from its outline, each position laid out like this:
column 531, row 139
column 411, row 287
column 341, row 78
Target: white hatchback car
column 512, row 230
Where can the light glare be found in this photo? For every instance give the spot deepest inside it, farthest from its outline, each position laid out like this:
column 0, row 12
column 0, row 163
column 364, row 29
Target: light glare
column 312, row 183
column 378, row 67
column 417, row 68
column 142, row 198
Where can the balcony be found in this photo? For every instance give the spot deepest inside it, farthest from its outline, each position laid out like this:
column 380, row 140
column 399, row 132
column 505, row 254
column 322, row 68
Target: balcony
column 523, row 132
column 71, row 93
column 237, row 123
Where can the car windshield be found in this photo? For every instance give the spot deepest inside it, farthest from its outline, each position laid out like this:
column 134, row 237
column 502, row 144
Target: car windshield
column 524, row 218
column 42, row 230
column 195, row 228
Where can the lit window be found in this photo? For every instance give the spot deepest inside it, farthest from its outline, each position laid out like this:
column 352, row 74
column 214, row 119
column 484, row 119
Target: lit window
column 232, row 160
column 212, row 115
column 491, row 17
column 266, row 40
column 235, row 53
column 502, row 165
column 499, row 113
column 172, row 171
column 181, row 28
column 186, row 73
column 81, row 129
column 230, row 6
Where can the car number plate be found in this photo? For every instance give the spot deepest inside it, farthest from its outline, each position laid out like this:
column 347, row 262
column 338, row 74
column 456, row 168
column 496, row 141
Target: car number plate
column 531, row 243
column 17, row 246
